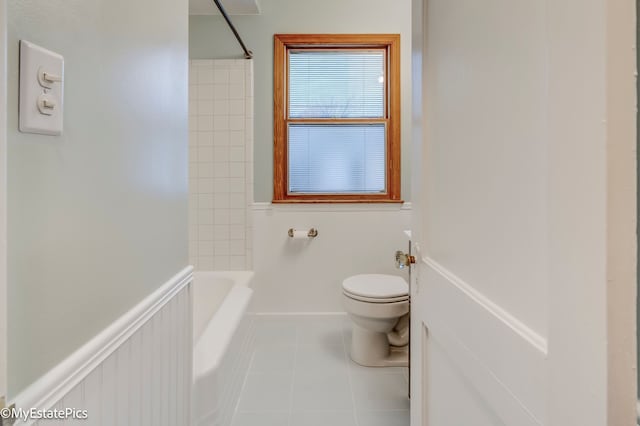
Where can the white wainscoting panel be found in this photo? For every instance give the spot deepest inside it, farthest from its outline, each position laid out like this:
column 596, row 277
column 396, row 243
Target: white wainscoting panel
column 140, row 375
column 465, row 328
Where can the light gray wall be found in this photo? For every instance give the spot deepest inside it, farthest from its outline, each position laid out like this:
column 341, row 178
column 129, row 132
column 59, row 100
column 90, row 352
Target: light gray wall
column 210, row 38
column 98, row 216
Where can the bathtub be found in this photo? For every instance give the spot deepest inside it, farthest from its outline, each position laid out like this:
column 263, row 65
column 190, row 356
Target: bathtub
column 220, row 339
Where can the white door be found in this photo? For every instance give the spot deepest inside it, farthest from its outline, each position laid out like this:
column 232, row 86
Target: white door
column 523, row 299
column 3, row 216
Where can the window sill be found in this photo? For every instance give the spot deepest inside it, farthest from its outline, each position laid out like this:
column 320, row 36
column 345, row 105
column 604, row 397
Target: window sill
column 336, row 201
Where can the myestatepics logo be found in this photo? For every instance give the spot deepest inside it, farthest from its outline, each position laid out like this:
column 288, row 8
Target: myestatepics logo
column 38, row 414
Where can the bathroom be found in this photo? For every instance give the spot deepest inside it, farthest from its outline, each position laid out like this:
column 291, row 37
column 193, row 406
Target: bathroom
column 155, row 275
column 303, row 373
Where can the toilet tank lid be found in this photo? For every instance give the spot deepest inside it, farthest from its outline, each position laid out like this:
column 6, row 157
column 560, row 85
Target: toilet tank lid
column 376, row 285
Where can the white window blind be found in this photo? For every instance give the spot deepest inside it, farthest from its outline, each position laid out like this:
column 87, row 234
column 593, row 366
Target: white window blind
column 337, row 158
column 336, row 84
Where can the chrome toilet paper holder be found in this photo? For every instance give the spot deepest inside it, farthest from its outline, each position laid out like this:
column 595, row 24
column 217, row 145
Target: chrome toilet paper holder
column 313, row 232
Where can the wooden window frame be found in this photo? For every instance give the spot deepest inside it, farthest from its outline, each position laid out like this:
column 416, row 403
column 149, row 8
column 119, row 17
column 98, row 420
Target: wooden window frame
column 285, row 42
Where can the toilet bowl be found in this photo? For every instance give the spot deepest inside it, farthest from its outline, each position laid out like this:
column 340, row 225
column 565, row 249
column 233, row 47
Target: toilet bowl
column 378, row 306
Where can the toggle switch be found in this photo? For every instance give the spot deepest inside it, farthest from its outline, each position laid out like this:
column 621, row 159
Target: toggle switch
column 41, row 90
column 48, row 79
column 46, row 104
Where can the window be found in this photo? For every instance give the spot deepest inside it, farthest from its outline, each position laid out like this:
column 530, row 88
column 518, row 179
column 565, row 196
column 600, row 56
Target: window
column 336, row 118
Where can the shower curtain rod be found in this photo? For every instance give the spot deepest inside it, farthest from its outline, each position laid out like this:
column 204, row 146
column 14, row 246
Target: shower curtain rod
column 247, row 53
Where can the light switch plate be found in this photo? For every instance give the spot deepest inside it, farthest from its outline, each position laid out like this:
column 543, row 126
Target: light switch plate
column 41, row 96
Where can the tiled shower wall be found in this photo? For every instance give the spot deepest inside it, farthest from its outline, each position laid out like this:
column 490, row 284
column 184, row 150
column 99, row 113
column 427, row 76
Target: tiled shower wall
column 220, row 163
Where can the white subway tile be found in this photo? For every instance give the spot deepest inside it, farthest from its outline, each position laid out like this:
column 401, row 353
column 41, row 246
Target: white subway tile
column 221, row 263
column 237, row 107
column 221, row 216
column 205, row 170
column 237, row 232
column 221, row 76
column 222, row 201
column 221, row 122
column 205, row 201
column 236, row 153
column 236, row 169
column 205, row 107
column 237, row 217
column 221, row 64
column 237, row 201
column 205, row 186
column 205, row 92
column 237, row 263
column 236, row 247
column 236, row 138
column 220, row 154
column 205, row 76
column 221, row 107
column 248, row 107
column 236, row 91
column 205, row 263
column 205, row 233
column 205, row 154
column 221, row 185
column 220, row 232
column 221, row 91
column 221, row 247
column 205, row 123
column 249, row 260
column 205, row 248
column 221, row 138
column 204, row 138
column 205, row 217
column 236, row 185
column 236, row 122
column 236, row 78
column 221, row 170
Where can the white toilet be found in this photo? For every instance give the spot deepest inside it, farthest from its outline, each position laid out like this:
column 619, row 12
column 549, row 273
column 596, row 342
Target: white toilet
column 378, row 306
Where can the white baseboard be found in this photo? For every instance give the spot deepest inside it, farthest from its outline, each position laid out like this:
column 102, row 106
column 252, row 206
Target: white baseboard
column 59, row 381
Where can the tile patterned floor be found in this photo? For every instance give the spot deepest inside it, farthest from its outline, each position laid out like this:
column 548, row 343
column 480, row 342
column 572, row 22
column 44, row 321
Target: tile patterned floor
column 301, row 375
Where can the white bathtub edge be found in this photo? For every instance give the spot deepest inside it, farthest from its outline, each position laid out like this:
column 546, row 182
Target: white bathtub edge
column 240, row 278
column 223, row 325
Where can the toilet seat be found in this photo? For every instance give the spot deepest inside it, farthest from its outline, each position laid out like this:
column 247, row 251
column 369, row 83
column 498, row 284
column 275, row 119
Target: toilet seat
column 376, row 299
column 376, row 288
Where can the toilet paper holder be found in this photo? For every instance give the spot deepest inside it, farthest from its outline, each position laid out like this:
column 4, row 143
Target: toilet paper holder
column 313, row 232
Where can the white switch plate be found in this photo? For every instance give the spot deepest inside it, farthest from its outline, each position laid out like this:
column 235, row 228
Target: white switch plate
column 41, row 102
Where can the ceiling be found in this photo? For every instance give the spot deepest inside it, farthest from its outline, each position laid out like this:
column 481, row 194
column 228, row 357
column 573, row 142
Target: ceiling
column 233, row 7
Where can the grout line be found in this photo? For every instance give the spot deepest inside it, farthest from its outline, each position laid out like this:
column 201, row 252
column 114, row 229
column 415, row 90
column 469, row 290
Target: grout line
column 293, row 375
column 246, row 374
column 349, row 378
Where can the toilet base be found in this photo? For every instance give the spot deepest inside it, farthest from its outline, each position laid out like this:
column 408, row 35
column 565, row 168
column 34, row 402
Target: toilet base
column 372, row 349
